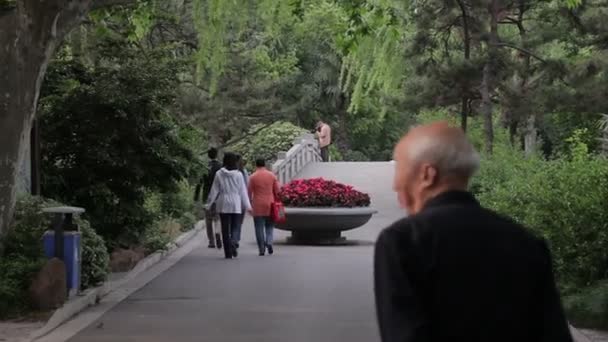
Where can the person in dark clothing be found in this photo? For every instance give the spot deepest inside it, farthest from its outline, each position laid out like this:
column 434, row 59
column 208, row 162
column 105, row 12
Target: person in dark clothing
column 206, row 182
column 452, row 270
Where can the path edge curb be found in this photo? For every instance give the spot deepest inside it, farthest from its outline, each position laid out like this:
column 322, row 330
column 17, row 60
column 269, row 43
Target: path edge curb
column 578, row 335
column 93, row 296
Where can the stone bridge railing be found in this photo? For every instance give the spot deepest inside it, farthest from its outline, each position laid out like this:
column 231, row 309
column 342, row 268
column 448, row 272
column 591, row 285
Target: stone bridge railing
column 289, row 164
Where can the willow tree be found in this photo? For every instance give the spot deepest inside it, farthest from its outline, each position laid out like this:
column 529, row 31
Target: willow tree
column 220, row 23
column 374, row 54
column 30, row 32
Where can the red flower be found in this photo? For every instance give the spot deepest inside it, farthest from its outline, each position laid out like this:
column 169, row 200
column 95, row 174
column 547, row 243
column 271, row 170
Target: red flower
column 317, row 192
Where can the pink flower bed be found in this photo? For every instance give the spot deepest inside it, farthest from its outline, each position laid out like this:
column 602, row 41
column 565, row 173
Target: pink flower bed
column 318, row 192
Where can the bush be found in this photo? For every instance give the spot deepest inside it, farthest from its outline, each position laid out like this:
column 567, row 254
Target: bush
column 156, row 238
column 589, row 308
column 87, row 112
column 561, row 199
column 179, row 205
column 95, row 256
column 505, row 164
column 187, row 221
column 334, row 153
column 268, row 142
column 16, row 274
column 23, row 254
column 318, row 192
column 564, row 201
column 355, row 156
column 29, row 224
column 159, row 235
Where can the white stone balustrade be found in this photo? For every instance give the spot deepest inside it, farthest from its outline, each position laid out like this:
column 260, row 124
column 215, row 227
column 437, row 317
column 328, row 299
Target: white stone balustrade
column 304, row 151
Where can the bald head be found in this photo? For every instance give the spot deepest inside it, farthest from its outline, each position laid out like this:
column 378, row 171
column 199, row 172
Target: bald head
column 446, row 148
column 433, row 158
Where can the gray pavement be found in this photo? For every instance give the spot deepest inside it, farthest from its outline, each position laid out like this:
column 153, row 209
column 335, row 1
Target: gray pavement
column 299, row 294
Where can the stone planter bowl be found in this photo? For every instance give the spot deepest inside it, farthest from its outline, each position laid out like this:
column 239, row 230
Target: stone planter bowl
column 323, row 226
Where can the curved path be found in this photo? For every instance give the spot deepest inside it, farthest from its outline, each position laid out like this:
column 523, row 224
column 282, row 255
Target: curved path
column 300, row 294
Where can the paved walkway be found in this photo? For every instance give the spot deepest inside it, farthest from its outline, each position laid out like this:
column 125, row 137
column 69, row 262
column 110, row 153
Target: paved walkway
column 300, row 294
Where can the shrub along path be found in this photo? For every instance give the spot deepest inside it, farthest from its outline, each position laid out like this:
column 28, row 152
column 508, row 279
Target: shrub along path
column 299, row 294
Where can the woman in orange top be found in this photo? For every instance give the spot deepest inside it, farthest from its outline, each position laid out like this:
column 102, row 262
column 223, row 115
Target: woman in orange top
column 263, row 190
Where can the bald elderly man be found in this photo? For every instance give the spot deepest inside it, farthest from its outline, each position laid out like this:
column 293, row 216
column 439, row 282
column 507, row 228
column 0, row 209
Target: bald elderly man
column 453, row 271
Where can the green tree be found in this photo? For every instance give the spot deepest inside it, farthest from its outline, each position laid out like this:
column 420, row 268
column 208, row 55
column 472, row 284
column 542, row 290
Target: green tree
column 30, row 32
column 108, row 136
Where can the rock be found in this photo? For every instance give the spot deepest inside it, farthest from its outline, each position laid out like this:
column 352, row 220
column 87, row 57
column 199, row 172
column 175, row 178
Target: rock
column 123, row 260
column 141, row 252
column 49, row 288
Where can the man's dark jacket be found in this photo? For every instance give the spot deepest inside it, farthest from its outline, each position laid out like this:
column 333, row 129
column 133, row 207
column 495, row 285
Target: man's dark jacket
column 206, row 181
column 458, row 272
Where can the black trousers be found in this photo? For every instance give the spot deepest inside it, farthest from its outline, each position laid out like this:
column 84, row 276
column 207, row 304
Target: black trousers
column 325, row 153
column 228, row 222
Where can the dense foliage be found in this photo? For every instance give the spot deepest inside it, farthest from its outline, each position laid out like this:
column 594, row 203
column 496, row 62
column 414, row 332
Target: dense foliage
column 562, row 199
column 95, row 256
column 108, row 137
column 318, row 192
column 23, row 255
column 266, row 142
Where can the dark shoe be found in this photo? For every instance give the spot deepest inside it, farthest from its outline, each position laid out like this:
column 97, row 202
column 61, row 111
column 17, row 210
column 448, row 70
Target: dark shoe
column 262, row 253
column 218, row 241
column 211, row 245
column 270, row 250
column 235, row 253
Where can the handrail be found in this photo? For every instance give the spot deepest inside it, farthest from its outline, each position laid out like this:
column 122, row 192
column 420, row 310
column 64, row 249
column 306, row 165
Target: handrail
column 289, row 164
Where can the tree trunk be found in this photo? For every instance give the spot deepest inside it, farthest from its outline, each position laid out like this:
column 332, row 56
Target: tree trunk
column 531, row 133
column 487, row 77
column 465, row 111
column 22, row 66
column 35, row 159
column 486, row 108
column 531, row 136
column 29, row 35
column 513, row 124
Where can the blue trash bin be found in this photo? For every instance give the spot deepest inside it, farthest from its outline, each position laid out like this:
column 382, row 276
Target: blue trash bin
column 72, row 244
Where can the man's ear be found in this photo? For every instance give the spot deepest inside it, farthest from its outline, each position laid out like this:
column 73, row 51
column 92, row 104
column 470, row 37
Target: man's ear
column 428, row 175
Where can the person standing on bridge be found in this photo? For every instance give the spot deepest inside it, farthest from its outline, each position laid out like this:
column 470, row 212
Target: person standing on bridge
column 324, row 137
column 229, row 194
column 453, row 270
column 263, row 190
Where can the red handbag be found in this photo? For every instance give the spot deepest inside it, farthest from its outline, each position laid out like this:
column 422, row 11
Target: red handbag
column 277, row 212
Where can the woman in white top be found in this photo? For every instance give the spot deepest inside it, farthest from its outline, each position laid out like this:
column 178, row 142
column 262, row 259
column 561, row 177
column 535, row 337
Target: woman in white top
column 229, row 194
